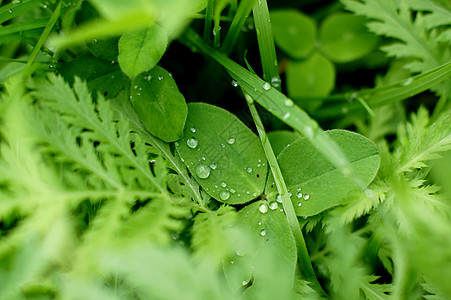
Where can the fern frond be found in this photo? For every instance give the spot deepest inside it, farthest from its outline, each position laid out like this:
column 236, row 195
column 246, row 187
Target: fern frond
column 393, row 19
column 374, row 291
column 421, row 141
column 210, row 238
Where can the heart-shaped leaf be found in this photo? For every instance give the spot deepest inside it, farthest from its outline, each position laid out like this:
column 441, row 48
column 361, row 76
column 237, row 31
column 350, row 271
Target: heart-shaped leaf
column 224, row 155
column 315, row 184
column 272, row 259
column 159, row 104
column 141, row 50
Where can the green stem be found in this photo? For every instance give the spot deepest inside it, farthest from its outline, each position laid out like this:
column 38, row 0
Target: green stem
column 304, row 258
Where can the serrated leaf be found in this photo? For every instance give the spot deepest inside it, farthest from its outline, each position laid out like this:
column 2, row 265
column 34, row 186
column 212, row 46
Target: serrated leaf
column 224, row 156
column 159, row 104
column 272, row 261
column 314, row 182
column 294, row 32
column 141, row 50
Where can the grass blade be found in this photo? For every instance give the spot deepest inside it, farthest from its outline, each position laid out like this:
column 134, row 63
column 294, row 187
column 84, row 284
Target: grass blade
column 266, row 44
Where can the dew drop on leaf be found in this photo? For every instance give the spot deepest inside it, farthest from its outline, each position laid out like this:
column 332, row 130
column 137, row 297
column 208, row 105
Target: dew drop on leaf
column 279, row 198
column 224, row 195
column 306, row 196
column 263, row 232
column 231, row 141
column 213, row 166
column 273, row 205
column 249, row 170
column 275, row 81
column 232, row 191
column 286, row 116
column 193, row 130
column 266, row 86
column 299, row 195
column 263, row 208
column 234, row 83
column 223, row 184
column 299, row 204
column 192, row 143
column 203, row 171
column 288, row 103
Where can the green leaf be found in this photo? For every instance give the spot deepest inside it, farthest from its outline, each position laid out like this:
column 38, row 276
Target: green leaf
column 159, row 104
column 224, row 156
column 314, row 182
column 314, row 77
column 272, row 260
column 344, row 37
column 141, row 50
column 100, row 75
column 280, row 139
column 294, row 32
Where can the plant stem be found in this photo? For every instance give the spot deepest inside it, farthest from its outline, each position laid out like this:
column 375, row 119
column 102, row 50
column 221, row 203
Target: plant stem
column 304, row 258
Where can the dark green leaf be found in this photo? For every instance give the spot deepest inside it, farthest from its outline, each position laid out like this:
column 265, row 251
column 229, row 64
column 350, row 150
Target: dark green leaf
column 159, row 104
column 344, row 37
column 281, row 138
column 224, row 155
column 294, row 32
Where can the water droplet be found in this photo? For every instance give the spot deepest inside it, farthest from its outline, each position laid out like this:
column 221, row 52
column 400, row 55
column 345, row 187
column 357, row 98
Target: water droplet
column 183, row 160
column 244, row 282
column 308, row 131
column 224, row 195
column 254, row 194
column 408, row 81
column 203, row 171
column 249, row 170
column 232, row 261
column 299, row 189
column 203, row 158
column 232, row 191
column 263, row 232
column 306, row 196
column 177, row 144
column 266, row 86
column 279, row 198
column 288, row 103
column 160, row 77
column 223, row 184
column 259, row 223
column 299, row 204
column 10, row 11
column 238, row 252
column 263, row 208
column 113, row 62
column 138, row 94
column 148, row 78
column 135, row 87
column 273, row 205
column 234, row 83
column 299, row 195
column 286, row 116
column 305, row 217
column 231, row 141
column 192, row 143
column 223, row 145
column 16, row 2
column 275, row 81
column 193, row 130
column 213, row 166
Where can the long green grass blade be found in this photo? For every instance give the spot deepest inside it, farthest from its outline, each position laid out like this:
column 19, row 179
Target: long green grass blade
column 279, row 105
column 12, row 10
column 244, row 9
column 266, row 44
column 16, row 30
column 208, row 19
column 385, row 95
column 42, row 39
